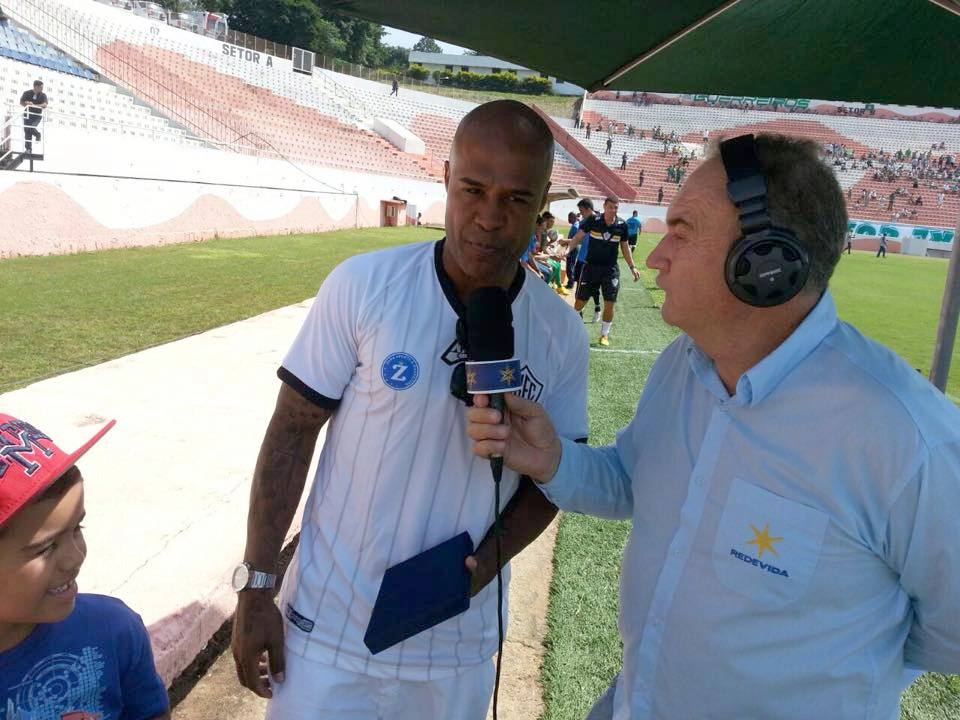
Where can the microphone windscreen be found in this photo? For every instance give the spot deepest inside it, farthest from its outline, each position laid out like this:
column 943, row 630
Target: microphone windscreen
column 489, row 325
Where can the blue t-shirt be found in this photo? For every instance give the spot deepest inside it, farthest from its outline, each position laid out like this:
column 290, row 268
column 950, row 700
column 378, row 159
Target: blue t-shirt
column 584, row 243
column 531, row 248
column 97, row 662
column 633, row 226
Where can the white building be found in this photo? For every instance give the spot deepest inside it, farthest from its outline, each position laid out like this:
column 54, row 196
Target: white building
column 485, row 65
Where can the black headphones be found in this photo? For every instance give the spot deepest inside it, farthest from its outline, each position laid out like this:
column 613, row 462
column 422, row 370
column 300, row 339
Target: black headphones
column 768, row 265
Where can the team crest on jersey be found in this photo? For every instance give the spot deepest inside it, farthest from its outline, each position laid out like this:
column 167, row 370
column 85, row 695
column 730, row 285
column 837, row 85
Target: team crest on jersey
column 400, row 370
column 454, row 354
column 606, row 236
column 532, row 388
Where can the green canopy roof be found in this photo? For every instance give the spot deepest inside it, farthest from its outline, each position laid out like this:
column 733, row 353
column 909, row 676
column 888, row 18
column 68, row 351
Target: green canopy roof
column 891, row 51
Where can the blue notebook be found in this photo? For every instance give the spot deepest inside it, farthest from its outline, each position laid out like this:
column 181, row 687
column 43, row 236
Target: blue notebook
column 419, row 593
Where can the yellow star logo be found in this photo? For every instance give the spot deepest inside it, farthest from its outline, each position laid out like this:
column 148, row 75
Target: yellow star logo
column 506, row 375
column 471, row 378
column 763, row 540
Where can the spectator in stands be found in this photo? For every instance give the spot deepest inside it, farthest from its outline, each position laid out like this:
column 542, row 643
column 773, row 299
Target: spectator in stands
column 63, row 654
column 634, row 226
column 623, row 161
column 609, row 144
column 608, row 235
column 882, row 250
column 588, row 131
column 640, row 179
column 395, row 87
column 383, row 494
column 792, row 484
column 660, row 196
column 34, row 101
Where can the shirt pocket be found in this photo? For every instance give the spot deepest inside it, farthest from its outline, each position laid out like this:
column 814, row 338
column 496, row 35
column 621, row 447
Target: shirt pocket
column 767, row 547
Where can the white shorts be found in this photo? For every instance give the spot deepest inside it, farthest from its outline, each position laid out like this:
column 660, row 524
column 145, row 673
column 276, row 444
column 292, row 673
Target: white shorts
column 315, row 691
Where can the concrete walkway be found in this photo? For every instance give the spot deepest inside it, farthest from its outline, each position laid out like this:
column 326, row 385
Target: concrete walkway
column 167, row 493
column 167, row 489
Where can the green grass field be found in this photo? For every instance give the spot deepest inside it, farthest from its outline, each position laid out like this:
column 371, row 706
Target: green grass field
column 66, row 312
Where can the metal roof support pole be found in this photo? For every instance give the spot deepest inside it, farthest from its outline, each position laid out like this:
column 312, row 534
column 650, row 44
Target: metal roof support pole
column 949, row 310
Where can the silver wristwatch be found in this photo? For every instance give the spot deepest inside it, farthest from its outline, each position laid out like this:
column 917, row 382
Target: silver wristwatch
column 246, row 578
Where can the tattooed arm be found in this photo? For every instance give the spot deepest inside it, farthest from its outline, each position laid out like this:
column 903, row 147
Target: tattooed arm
column 523, row 519
column 278, row 482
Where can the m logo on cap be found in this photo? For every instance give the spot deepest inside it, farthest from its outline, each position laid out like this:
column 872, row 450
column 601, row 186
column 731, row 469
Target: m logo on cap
column 16, row 438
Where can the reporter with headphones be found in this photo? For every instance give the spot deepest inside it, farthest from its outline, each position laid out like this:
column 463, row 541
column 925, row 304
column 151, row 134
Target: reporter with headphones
column 793, row 485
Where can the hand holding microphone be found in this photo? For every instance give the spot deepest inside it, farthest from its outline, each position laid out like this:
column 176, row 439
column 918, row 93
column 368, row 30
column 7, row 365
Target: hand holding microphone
column 522, row 436
column 507, row 428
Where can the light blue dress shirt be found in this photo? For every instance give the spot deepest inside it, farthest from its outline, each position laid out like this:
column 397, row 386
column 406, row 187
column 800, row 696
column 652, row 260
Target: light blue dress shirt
column 795, row 549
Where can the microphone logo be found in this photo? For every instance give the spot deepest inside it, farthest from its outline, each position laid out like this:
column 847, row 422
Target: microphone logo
column 494, row 376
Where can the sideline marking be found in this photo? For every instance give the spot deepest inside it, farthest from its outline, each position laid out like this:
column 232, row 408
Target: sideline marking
column 625, row 352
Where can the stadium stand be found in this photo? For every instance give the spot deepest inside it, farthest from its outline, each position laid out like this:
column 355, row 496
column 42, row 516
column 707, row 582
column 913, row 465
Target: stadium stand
column 257, row 115
column 235, row 99
column 21, row 45
column 848, row 142
column 78, row 102
column 434, row 119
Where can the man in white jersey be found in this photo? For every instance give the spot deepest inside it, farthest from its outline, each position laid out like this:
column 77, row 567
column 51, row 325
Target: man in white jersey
column 378, row 356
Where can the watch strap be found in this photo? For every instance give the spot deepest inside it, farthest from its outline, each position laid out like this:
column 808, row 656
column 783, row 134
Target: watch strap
column 260, row 580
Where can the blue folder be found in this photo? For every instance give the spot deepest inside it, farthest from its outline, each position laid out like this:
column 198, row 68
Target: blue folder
column 419, row 593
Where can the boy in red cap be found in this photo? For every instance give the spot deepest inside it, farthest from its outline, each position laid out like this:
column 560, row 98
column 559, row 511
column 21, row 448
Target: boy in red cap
column 61, row 654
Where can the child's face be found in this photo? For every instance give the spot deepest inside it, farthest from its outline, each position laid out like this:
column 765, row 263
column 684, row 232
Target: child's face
column 41, row 551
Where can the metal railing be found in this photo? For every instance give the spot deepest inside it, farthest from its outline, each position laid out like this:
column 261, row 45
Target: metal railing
column 375, row 74
column 259, row 44
column 13, row 136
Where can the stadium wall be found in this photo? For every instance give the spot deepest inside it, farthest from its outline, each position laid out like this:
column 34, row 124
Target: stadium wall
column 69, row 213
column 98, row 191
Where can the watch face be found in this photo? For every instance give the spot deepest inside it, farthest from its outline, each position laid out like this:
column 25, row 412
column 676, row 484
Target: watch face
column 241, row 576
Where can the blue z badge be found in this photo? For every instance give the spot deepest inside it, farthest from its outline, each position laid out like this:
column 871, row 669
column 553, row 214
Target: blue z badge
column 400, row 370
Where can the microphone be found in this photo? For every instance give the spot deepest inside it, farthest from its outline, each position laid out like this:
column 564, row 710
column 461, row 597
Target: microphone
column 491, row 368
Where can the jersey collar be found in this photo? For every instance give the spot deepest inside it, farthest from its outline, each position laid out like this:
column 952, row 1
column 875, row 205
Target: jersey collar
column 450, row 292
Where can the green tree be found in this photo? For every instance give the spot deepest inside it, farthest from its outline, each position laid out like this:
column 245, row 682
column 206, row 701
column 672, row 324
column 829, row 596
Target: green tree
column 425, row 44
column 361, row 39
column 292, row 22
column 395, row 57
column 176, row 5
column 417, row 72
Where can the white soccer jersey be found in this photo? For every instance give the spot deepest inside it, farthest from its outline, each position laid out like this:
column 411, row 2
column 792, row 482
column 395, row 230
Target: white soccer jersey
column 397, row 474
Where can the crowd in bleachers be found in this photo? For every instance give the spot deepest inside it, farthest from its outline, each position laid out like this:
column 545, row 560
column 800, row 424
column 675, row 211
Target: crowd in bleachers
column 770, row 105
column 907, row 174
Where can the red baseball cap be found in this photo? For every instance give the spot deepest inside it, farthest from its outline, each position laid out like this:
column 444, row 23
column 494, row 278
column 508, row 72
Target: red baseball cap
column 30, row 462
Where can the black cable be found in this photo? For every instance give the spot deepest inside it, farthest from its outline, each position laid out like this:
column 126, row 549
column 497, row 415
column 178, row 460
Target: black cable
column 497, row 468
